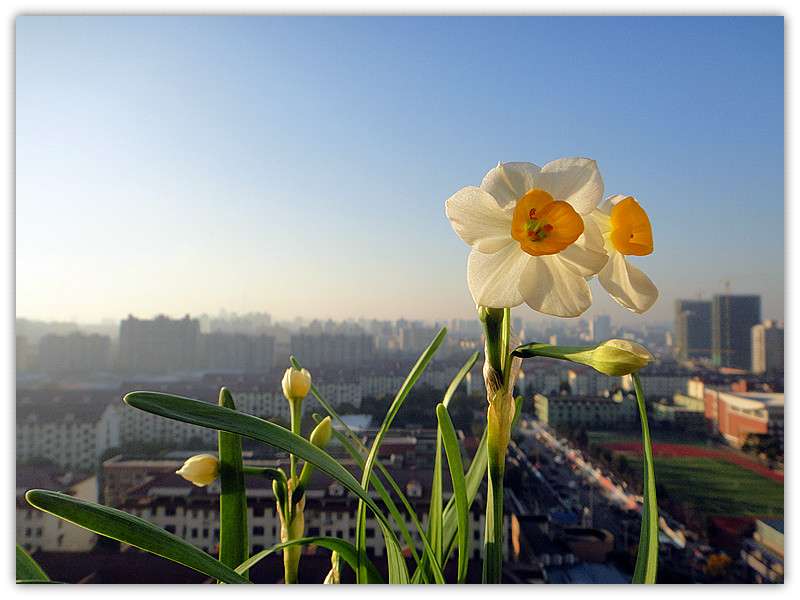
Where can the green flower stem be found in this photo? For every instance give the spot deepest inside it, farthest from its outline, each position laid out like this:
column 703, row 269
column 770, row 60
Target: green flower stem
column 647, row 557
column 233, row 539
column 295, row 410
column 293, row 524
column 497, row 324
column 497, row 442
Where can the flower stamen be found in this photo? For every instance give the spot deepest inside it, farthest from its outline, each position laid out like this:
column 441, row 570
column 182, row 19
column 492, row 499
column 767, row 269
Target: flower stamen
column 543, row 225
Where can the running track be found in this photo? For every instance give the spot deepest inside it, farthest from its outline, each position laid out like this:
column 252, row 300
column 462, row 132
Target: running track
column 693, row 451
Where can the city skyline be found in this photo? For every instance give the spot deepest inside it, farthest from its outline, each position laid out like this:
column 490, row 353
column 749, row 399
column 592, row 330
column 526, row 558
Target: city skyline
column 299, row 166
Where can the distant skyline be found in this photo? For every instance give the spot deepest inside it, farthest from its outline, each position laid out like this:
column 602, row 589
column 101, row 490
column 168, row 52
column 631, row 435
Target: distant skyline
column 299, row 166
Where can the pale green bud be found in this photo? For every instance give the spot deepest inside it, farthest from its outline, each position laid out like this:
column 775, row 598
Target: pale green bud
column 619, row 357
column 296, row 384
column 614, row 357
column 322, row 433
column 200, row 470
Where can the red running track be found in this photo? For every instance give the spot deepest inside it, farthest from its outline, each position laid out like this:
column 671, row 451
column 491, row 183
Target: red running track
column 678, row 450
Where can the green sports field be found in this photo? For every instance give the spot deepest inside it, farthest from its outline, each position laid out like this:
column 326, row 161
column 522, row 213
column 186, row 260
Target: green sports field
column 717, row 487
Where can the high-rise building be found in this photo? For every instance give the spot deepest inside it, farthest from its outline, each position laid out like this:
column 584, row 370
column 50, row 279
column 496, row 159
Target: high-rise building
column 767, row 339
column 227, row 351
column 732, row 317
column 162, row 345
column 74, row 353
column 600, row 328
column 692, row 329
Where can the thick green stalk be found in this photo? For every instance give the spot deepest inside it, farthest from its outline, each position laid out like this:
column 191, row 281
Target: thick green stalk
column 497, row 443
column 293, row 526
column 647, row 557
column 233, row 541
column 295, row 413
column 497, row 324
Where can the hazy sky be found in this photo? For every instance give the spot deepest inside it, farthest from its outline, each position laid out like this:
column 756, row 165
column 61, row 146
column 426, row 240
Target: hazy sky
column 299, row 165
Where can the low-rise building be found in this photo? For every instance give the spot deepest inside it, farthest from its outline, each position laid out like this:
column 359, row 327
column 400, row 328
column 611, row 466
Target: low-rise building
column 192, row 513
column 763, row 553
column 596, row 412
column 37, row 530
column 736, row 414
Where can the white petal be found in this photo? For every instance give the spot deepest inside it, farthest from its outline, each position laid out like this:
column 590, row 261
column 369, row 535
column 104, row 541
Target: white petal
column 574, row 180
column 627, row 284
column 494, row 278
column 610, row 203
column 551, row 288
column 478, row 220
column 508, row 182
column 586, row 256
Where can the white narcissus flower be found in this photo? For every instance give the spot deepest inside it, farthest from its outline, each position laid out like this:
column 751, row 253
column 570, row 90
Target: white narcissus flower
column 531, row 238
column 627, row 232
column 200, row 470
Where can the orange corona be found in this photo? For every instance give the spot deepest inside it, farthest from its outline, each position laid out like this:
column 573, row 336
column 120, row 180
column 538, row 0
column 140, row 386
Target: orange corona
column 631, row 232
column 543, row 225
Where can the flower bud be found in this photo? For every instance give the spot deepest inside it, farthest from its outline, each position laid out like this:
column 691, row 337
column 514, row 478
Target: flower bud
column 614, row 357
column 619, row 357
column 296, row 384
column 322, row 433
column 200, row 470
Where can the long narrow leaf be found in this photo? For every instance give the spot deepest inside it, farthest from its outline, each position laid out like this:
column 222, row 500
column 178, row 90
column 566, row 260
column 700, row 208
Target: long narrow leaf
column 217, row 417
column 436, row 513
column 345, row 549
column 128, row 529
column 459, row 487
column 233, row 535
column 384, row 494
column 415, row 373
column 647, row 556
column 28, row 570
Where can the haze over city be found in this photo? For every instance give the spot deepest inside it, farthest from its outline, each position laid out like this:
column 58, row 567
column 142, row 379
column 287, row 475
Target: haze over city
column 299, row 165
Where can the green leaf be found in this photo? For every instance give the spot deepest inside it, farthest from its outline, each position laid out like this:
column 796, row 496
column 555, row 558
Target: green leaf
column 647, row 557
column 128, row 529
column 415, row 373
column 384, row 494
column 436, row 513
column 28, row 570
column 345, row 549
column 233, row 535
column 217, row 417
column 459, row 488
column 400, row 522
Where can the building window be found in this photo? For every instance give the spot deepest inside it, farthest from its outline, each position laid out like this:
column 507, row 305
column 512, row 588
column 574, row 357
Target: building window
column 258, row 530
column 258, row 511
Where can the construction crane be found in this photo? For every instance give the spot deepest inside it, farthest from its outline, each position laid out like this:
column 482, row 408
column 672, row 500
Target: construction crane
column 726, row 281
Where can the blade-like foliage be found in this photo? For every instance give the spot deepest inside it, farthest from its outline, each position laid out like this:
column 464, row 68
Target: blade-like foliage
column 459, row 487
column 345, row 549
column 233, row 539
column 128, row 529
column 28, row 570
column 204, row 414
column 413, row 376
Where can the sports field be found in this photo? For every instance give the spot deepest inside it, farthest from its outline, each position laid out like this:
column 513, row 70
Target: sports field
column 716, row 486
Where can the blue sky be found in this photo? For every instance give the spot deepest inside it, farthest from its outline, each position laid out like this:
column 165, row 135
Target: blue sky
column 299, row 165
